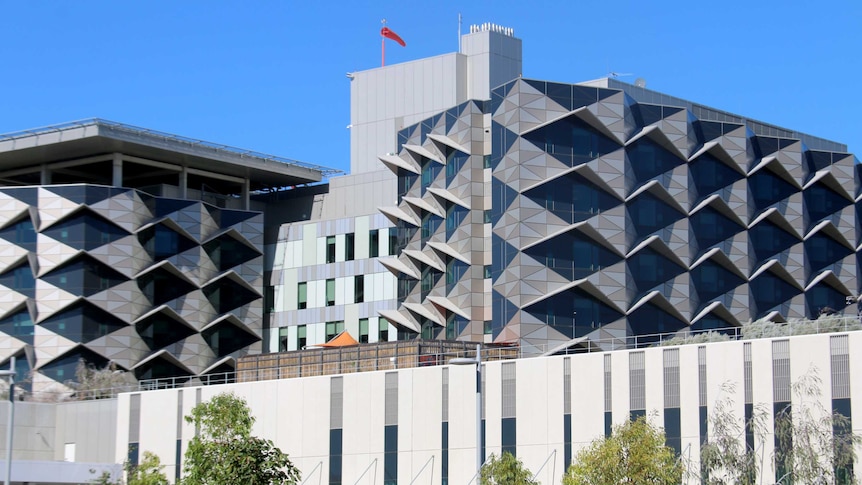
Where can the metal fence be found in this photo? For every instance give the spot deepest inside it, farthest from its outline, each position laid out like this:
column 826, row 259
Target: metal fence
column 420, row 353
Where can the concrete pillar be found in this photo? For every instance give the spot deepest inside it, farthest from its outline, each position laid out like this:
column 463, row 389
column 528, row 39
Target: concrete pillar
column 246, row 200
column 45, row 178
column 117, row 174
column 184, row 183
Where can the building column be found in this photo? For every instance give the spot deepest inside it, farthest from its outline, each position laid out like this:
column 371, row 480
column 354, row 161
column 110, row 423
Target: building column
column 45, row 178
column 184, row 182
column 246, row 201
column 117, row 174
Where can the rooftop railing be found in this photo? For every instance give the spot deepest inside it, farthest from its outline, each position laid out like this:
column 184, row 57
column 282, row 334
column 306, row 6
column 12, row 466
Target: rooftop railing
column 160, row 135
column 421, row 353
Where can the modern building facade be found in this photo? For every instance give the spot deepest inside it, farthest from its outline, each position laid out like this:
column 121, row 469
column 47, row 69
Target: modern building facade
column 616, row 211
column 131, row 246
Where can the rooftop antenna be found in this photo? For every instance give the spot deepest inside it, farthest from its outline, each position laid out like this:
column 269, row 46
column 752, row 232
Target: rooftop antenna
column 459, row 32
column 640, row 82
column 614, row 75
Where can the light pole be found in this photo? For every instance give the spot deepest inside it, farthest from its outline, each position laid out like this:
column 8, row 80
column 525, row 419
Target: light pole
column 478, row 363
column 11, row 416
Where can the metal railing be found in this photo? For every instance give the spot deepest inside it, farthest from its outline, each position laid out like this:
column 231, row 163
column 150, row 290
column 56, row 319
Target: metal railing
column 160, row 135
column 317, row 362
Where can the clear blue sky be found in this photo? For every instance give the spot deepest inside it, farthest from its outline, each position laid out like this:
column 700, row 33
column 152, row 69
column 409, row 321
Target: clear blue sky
column 270, row 75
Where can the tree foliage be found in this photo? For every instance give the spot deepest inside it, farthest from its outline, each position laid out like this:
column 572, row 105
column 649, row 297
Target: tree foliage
column 725, row 457
column 634, row 453
column 92, row 382
column 813, row 445
column 147, row 472
column 505, row 470
column 224, row 451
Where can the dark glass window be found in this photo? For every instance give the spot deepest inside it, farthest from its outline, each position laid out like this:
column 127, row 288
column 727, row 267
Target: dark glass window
column 455, row 271
column 767, row 188
column 333, row 329
column 444, row 453
column 382, row 330
column 821, row 202
column 455, row 325
column 301, row 337
column 85, row 231
column 572, row 198
column 573, row 255
column 161, row 242
column 709, row 174
column 430, row 171
column 574, row 313
column 571, row 141
column 374, row 243
column 672, row 430
column 648, row 159
column 83, row 322
column 712, row 322
column 649, row 269
column 226, row 295
column 509, row 436
column 822, row 251
column 84, row 276
column 226, row 252
column 406, row 181
column 330, row 249
column 823, row 299
column 160, row 330
column 709, row 227
column 224, row 338
column 20, row 278
column 567, row 440
column 390, row 455
column 363, row 330
column 18, row 325
column 358, row 289
column 768, row 291
column 302, row 295
column 649, row 320
column 349, row 246
column 649, row 214
column 767, row 240
column 711, row 280
column 330, row 292
column 455, row 215
column 63, row 368
column 335, row 437
column 455, row 161
column 430, row 224
column 21, row 233
column 764, row 146
column 430, row 277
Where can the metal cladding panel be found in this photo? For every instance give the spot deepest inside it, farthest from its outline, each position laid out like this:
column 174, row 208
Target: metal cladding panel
column 718, row 220
column 164, row 287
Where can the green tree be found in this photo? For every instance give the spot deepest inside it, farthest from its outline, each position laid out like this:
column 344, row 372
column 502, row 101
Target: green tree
column 505, row 470
column 634, row 453
column 813, row 445
column 725, row 457
column 147, row 472
column 224, row 451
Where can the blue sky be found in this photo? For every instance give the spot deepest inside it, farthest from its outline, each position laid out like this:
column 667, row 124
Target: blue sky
column 270, row 75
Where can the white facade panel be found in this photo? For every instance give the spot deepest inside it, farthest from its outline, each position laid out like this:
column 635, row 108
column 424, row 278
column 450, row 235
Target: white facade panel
column 313, row 250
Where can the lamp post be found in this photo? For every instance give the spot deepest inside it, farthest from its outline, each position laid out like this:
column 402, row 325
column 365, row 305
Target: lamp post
column 11, row 416
column 478, row 363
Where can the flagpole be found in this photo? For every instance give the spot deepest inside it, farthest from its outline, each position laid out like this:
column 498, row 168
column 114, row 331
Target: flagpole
column 383, row 46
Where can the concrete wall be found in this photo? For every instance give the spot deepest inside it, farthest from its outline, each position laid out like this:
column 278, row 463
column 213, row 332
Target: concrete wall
column 295, row 413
